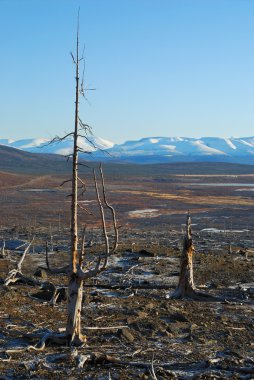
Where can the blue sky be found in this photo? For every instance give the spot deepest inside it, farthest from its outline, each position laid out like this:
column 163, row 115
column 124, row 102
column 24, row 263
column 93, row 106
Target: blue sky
column 160, row 67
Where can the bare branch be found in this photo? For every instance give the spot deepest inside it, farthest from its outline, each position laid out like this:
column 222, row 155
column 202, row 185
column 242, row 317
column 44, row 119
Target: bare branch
column 80, row 195
column 83, row 52
column 57, row 139
column 16, row 275
column 66, row 181
column 111, row 208
column 85, row 209
column 82, row 182
column 83, row 151
column 102, row 220
column 95, row 146
column 82, row 90
column 81, row 164
column 19, row 265
column 64, row 269
column 154, row 377
column 73, row 59
column 81, row 186
column 84, row 275
column 84, row 126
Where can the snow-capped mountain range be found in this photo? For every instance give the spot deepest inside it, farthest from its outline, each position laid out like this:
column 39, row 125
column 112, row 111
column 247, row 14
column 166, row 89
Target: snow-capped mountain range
column 43, row 145
column 150, row 149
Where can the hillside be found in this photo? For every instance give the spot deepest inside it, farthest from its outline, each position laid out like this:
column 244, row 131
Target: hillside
column 15, row 160
column 18, row 161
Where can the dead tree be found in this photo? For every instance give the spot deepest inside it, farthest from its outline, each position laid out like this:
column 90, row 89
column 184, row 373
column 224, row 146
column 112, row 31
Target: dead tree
column 76, row 270
column 186, row 287
column 16, row 275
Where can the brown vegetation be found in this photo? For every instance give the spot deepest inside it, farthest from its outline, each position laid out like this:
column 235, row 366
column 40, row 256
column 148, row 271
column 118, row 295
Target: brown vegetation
column 130, row 302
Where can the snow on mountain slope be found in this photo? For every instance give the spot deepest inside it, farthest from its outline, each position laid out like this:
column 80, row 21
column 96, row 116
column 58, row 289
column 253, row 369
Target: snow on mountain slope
column 185, row 146
column 169, row 149
column 150, row 149
column 41, row 145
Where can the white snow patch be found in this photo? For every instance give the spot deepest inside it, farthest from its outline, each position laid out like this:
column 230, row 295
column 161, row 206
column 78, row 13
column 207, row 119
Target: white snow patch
column 154, row 141
column 169, row 147
column 107, row 143
column 64, row 151
column 177, row 139
column 217, row 231
column 247, row 143
column 145, row 213
column 34, row 143
column 229, row 142
column 206, row 149
column 85, row 145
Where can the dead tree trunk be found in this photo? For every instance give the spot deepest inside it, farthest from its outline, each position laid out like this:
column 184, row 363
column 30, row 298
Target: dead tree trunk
column 186, row 287
column 75, row 289
column 76, row 273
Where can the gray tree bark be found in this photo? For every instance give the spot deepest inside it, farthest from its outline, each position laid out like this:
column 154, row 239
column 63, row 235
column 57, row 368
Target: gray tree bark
column 186, row 287
column 75, row 288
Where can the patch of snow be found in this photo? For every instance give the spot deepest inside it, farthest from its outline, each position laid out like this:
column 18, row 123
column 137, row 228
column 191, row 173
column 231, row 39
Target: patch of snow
column 177, row 139
column 154, row 141
column 247, row 143
column 106, row 144
column 169, row 147
column 145, row 213
column 64, row 151
column 206, row 149
column 217, row 231
column 229, row 142
column 34, row 143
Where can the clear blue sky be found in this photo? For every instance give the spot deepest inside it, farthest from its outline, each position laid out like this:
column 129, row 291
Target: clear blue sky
column 160, row 67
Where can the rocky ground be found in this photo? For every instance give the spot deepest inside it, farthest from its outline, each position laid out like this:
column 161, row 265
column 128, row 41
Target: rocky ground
column 134, row 330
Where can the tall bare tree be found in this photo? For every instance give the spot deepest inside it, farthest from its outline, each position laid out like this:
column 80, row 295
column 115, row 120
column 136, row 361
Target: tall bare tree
column 77, row 274
column 75, row 269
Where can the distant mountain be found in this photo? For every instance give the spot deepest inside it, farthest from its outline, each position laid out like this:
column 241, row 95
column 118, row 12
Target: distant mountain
column 41, row 145
column 182, row 149
column 150, row 149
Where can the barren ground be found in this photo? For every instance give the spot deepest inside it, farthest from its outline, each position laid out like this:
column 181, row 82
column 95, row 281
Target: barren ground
column 130, row 301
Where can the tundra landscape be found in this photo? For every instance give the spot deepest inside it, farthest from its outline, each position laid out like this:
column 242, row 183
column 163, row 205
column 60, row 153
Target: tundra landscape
column 134, row 328
column 126, row 256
